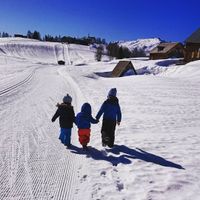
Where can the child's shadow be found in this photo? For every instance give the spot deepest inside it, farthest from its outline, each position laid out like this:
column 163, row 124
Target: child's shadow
column 101, row 155
column 143, row 155
column 127, row 155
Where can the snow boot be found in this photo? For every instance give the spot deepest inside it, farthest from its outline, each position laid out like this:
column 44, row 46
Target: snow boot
column 85, row 148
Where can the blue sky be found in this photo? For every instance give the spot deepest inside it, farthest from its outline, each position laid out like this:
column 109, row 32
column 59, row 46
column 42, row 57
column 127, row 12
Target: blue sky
column 171, row 20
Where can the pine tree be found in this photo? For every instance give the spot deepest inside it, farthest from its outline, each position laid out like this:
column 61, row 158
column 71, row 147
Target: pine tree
column 29, row 34
column 121, row 53
column 36, row 35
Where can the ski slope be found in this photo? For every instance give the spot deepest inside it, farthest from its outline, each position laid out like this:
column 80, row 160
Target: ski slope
column 156, row 155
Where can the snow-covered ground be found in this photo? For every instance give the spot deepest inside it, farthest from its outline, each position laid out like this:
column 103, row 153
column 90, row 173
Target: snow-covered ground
column 156, row 156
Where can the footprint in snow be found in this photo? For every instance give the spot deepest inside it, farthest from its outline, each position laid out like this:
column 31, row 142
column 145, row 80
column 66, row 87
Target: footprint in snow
column 120, row 186
column 83, row 178
column 103, row 173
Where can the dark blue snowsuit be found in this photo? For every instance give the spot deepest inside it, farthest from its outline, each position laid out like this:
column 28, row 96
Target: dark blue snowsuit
column 111, row 114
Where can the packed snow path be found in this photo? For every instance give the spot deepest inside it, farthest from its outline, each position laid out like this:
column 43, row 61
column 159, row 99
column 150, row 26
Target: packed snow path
column 34, row 165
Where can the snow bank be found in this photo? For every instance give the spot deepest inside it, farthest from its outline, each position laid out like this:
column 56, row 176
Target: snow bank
column 32, row 50
column 190, row 71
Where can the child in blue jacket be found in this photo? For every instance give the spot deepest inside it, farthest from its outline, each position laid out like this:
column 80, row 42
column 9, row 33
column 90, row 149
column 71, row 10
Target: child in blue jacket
column 111, row 115
column 83, row 122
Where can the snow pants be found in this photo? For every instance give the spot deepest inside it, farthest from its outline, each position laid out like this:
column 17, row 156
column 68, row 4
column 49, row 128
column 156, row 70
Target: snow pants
column 84, row 136
column 65, row 136
column 108, row 132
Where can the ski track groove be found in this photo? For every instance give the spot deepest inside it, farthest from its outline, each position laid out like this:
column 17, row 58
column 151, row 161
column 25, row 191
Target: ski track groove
column 16, row 164
column 79, row 99
column 67, row 53
column 17, row 85
column 76, row 94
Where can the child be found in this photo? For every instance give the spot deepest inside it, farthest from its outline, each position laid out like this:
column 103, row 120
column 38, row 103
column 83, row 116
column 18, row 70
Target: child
column 112, row 115
column 83, row 122
column 66, row 115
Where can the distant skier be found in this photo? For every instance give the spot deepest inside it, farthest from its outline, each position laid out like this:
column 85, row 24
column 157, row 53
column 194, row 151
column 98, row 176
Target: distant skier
column 83, row 122
column 66, row 115
column 111, row 115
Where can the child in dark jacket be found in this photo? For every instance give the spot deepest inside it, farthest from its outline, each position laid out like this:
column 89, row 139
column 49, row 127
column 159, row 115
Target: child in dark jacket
column 111, row 115
column 66, row 115
column 83, row 122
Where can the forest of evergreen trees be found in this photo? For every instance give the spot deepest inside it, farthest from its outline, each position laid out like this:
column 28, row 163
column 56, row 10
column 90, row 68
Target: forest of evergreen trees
column 68, row 39
column 4, row 34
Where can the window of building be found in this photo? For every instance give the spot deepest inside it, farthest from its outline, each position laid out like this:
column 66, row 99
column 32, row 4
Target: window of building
column 160, row 48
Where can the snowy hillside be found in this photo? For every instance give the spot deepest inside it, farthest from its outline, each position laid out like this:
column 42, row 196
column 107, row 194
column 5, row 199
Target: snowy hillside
column 45, row 52
column 31, row 50
column 146, row 44
column 156, row 152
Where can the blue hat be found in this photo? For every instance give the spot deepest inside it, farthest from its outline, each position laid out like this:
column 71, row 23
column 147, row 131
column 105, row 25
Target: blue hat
column 86, row 108
column 67, row 99
column 112, row 92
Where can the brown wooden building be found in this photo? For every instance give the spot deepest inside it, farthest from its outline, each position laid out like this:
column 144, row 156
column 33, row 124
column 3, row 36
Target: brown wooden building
column 167, row 50
column 192, row 47
column 122, row 68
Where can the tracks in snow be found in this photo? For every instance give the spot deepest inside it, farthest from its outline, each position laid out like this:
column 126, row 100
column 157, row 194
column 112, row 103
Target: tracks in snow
column 17, row 85
column 33, row 163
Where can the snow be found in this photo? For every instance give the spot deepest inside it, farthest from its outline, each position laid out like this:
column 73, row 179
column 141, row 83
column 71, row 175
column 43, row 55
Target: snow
column 156, row 155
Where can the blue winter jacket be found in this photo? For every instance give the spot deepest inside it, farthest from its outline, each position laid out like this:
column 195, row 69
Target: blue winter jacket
column 84, row 118
column 110, row 110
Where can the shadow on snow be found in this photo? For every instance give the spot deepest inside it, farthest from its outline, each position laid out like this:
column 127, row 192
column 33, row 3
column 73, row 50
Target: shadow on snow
column 125, row 158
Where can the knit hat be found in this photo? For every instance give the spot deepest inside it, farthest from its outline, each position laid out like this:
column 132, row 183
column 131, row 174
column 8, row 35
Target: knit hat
column 86, row 108
column 112, row 92
column 67, row 99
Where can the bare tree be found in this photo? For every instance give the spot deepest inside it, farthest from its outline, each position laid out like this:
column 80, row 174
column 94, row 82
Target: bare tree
column 99, row 53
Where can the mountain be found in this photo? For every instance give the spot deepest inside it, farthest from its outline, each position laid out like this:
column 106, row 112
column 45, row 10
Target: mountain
column 146, row 44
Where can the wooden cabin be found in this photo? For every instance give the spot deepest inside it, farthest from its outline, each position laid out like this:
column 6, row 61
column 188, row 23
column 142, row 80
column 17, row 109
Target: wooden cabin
column 192, row 47
column 122, row 68
column 167, row 50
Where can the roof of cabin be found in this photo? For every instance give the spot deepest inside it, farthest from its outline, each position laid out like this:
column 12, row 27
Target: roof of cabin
column 194, row 38
column 164, row 47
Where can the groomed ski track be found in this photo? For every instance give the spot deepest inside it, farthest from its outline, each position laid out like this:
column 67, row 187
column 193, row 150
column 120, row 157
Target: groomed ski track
column 34, row 164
